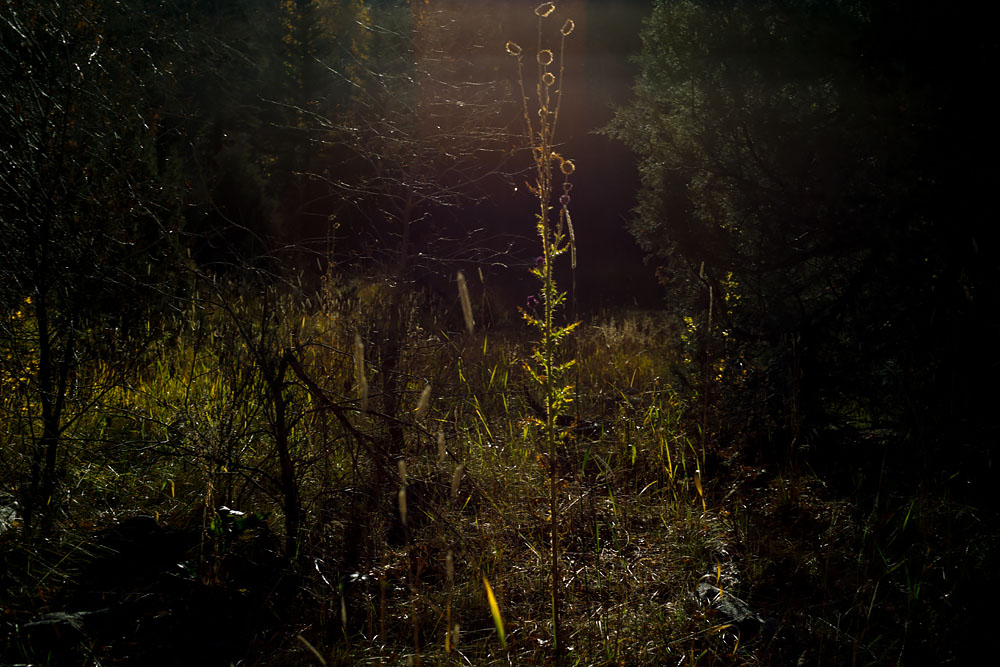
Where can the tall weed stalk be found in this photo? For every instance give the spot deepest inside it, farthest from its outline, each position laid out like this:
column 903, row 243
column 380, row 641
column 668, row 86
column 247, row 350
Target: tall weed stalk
column 546, row 367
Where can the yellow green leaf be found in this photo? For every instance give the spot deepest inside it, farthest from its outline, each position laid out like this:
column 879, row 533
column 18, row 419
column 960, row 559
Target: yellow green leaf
column 495, row 611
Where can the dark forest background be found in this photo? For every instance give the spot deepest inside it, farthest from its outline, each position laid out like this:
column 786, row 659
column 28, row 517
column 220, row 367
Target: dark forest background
column 265, row 378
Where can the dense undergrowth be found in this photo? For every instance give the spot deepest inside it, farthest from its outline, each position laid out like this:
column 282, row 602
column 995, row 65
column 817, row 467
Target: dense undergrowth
column 251, row 471
column 173, row 518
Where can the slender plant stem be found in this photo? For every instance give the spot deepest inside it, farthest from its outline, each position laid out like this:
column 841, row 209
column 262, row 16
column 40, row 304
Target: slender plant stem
column 545, row 369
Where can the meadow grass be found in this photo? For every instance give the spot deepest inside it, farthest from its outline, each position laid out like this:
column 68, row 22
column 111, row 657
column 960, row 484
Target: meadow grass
column 834, row 573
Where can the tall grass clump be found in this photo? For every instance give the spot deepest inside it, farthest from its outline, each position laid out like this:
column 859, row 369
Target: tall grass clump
column 555, row 232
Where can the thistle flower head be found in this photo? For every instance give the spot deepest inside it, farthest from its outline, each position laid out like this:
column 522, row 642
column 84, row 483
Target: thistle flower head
column 548, row 78
column 545, row 57
column 513, row 48
column 567, row 167
column 545, row 9
column 567, row 27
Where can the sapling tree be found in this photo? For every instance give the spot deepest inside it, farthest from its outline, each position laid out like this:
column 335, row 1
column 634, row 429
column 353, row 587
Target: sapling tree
column 260, row 333
column 421, row 135
column 780, row 147
column 555, row 232
column 85, row 258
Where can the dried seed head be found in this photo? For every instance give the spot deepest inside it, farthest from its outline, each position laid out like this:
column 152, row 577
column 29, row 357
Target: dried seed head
column 456, row 479
column 449, row 564
column 423, row 403
column 545, row 9
column 402, row 505
column 513, row 48
column 548, row 78
column 567, row 167
column 567, row 27
column 463, row 295
column 545, row 57
column 442, row 452
column 359, row 371
column 572, row 235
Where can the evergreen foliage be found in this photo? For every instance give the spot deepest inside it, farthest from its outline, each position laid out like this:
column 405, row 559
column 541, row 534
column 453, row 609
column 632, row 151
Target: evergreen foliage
column 798, row 162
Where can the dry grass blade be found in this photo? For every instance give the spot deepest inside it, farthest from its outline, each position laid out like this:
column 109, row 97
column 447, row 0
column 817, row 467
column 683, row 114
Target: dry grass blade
column 312, row 649
column 495, row 612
